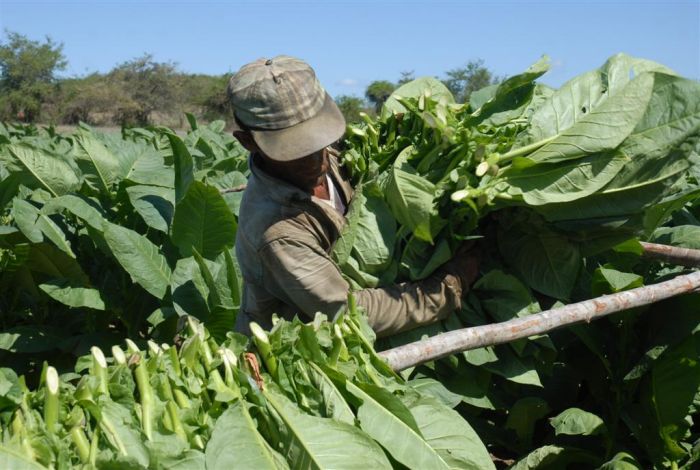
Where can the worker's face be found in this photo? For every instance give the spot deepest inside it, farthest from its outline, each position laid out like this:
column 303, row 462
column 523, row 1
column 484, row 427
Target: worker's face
column 305, row 173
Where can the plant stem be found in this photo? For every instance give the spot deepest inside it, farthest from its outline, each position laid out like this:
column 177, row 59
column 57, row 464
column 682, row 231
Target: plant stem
column 175, row 361
column 181, row 398
column 175, row 420
column 263, row 344
column 118, row 355
column 99, row 365
column 94, row 449
column 338, row 346
column 519, row 152
column 81, row 443
column 51, row 404
column 146, row 395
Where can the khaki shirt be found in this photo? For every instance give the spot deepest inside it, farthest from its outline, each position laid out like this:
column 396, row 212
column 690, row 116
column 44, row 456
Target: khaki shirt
column 283, row 245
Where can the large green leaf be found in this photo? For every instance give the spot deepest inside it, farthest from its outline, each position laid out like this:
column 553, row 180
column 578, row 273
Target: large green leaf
column 686, row 236
column 73, row 295
column 664, row 137
column 546, row 261
column 29, row 339
column 498, row 104
column 564, row 181
column 410, row 198
column 148, row 167
column 594, row 111
column 414, row 89
column 184, row 167
column 335, row 405
column 16, row 460
column 513, row 368
column 189, row 460
column 155, row 204
column 450, row 435
column 375, row 236
column 343, row 247
column 397, row 433
column 190, row 292
column 203, row 221
column 575, row 421
column 548, row 456
column 35, row 225
column 233, row 278
column 621, row 461
column 319, row 443
column 222, row 315
column 100, row 167
column 523, row 416
column 422, row 258
column 227, row 181
column 554, row 457
column 122, row 434
column 609, row 281
column 49, row 260
column 48, row 171
column 25, row 215
column 580, row 122
column 236, row 443
column 140, row 258
column 11, row 392
column 659, row 149
column 675, row 380
column 504, row 297
column 80, row 207
column 54, row 233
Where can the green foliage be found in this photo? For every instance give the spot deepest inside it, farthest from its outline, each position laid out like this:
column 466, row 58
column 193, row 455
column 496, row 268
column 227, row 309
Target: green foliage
column 27, row 75
column 463, row 81
column 106, row 237
column 149, row 85
column 93, row 236
column 351, row 107
column 207, row 404
column 554, row 181
column 406, row 76
column 378, row 92
column 562, row 164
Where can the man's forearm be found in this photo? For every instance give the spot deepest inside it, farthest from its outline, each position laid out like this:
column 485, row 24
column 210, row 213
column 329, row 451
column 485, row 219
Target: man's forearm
column 401, row 307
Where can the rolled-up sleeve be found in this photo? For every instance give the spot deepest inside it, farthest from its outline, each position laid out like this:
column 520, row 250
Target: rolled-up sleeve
column 304, row 276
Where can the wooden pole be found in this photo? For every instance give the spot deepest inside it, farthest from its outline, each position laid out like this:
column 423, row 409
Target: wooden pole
column 671, row 254
column 430, row 349
column 236, row 189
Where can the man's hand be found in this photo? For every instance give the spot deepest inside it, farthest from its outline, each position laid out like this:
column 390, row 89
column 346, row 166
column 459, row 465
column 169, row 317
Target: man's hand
column 464, row 265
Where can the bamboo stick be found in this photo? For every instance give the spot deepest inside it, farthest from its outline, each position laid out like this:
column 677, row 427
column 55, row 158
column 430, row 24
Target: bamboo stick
column 235, row 189
column 671, row 254
column 420, row 352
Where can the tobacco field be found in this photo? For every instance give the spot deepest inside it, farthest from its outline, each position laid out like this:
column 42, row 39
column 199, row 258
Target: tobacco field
column 119, row 289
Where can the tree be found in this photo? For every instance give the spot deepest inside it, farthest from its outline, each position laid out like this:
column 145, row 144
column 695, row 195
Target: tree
column 378, row 91
column 351, row 107
column 150, row 86
column 214, row 98
column 465, row 80
column 27, row 75
column 406, row 76
column 93, row 99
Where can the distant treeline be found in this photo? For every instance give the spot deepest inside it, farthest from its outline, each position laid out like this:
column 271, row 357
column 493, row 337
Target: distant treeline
column 144, row 92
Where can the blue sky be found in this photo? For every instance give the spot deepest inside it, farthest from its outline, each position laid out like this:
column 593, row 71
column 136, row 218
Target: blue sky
column 352, row 43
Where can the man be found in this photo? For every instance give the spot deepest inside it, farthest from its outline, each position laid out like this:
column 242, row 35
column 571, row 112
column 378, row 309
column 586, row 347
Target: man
column 293, row 209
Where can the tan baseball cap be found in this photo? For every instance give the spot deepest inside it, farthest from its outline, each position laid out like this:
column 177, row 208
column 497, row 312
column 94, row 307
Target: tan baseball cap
column 283, row 105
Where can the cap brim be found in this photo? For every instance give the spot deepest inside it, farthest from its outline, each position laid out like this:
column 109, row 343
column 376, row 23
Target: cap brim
column 305, row 138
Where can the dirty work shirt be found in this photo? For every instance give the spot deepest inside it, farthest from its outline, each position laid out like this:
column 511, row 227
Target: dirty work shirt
column 283, row 245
